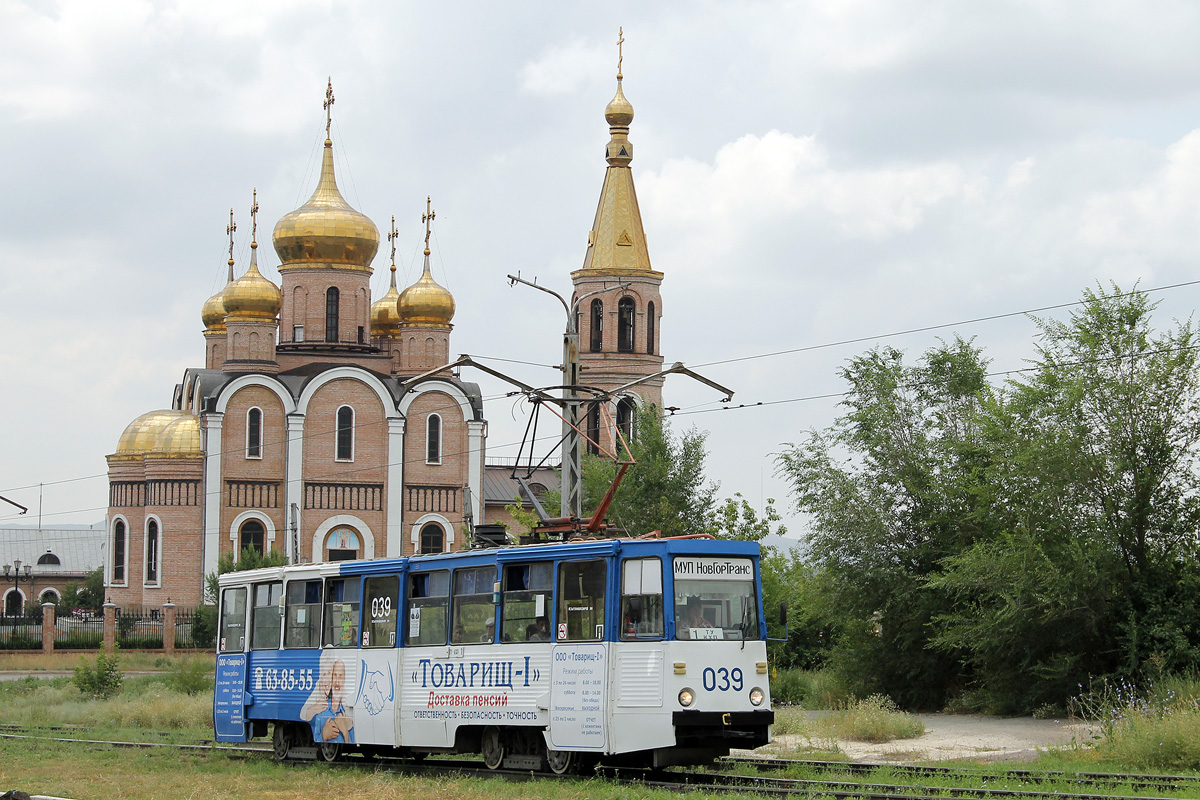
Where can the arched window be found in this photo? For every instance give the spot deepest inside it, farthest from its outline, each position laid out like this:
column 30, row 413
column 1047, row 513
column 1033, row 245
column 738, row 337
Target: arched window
column 252, row 536
column 49, row 596
column 433, row 440
column 596, row 339
column 625, row 318
column 49, row 559
column 118, row 551
column 345, row 434
column 152, row 551
column 625, row 414
column 254, row 433
column 433, row 538
column 14, row 603
column 593, row 429
column 331, row 314
column 650, row 327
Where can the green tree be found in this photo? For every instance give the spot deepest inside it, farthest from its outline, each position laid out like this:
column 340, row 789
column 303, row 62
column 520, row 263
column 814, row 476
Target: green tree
column 666, row 490
column 889, row 491
column 1094, row 482
column 89, row 594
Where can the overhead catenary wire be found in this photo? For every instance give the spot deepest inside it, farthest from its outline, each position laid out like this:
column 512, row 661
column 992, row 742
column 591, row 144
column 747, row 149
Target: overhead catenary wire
column 759, row 404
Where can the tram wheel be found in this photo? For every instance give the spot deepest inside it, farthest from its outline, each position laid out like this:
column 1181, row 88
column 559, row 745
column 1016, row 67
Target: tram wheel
column 281, row 741
column 491, row 747
column 560, row 762
column 328, row 751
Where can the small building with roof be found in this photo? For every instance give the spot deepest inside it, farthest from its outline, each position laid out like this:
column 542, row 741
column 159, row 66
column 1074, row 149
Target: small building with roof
column 55, row 557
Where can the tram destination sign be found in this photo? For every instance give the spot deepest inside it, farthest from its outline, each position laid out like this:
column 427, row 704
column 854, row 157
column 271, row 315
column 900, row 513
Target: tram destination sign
column 713, row 569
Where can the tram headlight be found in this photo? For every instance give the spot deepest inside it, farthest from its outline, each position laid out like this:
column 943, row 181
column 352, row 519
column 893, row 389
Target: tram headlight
column 686, row 697
column 757, row 696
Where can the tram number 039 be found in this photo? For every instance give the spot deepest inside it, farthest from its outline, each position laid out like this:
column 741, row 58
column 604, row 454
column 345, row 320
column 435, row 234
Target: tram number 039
column 722, row 679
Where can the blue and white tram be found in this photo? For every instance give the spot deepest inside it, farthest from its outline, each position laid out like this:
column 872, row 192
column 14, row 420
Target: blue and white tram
column 634, row 651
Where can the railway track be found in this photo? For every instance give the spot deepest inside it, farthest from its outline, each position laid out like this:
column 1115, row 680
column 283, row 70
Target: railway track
column 1160, row 783
column 973, row 784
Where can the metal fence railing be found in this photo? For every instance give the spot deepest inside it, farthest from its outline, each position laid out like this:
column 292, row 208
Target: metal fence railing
column 136, row 628
column 21, row 631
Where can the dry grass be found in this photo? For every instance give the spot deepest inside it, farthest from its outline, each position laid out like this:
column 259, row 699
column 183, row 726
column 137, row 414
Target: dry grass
column 135, row 660
column 875, row 719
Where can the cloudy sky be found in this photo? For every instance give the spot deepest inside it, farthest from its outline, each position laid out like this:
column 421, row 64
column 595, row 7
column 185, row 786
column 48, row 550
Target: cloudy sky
column 808, row 173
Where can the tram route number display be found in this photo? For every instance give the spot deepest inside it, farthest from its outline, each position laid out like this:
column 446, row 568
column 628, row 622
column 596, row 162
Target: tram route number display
column 578, row 676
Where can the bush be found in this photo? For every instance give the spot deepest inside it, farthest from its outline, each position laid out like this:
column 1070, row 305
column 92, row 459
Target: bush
column 192, row 676
column 101, row 680
column 875, row 719
column 790, row 686
column 204, row 626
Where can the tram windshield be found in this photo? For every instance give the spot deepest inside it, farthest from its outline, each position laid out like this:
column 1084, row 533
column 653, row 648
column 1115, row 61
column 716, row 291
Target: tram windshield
column 715, row 599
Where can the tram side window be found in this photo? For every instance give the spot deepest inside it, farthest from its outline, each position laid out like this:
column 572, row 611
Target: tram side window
column 428, row 603
column 383, row 604
column 342, row 596
column 264, row 619
column 302, row 614
column 581, row 600
column 526, row 603
column 233, row 620
column 641, row 599
column 474, row 613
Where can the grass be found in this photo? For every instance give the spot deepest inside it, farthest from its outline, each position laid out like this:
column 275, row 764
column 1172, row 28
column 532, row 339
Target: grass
column 1153, row 726
column 134, row 660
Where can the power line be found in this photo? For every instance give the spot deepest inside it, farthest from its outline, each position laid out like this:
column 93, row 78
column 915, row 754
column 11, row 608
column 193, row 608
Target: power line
column 927, row 328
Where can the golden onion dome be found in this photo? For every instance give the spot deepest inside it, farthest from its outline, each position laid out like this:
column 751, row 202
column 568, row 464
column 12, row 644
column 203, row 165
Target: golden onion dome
column 385, row 313
column 252, row 296
column 426, row 304
column 326, row 229
column 212, row 313
column 180, row 438
column 619, row 111
column 141, row 435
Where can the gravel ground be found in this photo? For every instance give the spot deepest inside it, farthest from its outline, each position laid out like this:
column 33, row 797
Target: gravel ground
column 955, row 736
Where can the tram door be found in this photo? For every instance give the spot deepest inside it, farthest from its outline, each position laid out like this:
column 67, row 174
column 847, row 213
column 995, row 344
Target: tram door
column 229, row 689
column 579, row 670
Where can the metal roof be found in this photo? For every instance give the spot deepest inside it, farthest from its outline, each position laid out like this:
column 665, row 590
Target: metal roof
column 80, row 550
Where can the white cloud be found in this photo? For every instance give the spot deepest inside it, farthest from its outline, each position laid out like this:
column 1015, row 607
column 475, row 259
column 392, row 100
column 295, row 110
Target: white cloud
column 568, row 68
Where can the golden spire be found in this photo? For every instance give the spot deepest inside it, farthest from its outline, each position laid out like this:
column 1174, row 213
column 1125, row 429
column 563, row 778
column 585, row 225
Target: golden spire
column 385, row 314
column 328, row 105
column 212, row 313
column 252, row 296
column 428, row 218
column 617, row 242
column 326, row 231
column 426, row 304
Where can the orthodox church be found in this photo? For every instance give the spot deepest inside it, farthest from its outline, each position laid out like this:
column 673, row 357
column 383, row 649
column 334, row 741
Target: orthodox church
column 326, row 426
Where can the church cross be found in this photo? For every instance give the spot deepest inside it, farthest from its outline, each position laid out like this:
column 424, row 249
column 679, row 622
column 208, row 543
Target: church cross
column 229, row 229
column 254, row 217
column 392, row 238
column 620, row 55
column 328, row 105
column 427, row 218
